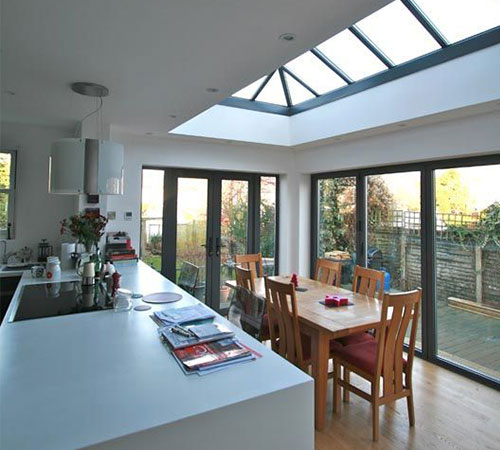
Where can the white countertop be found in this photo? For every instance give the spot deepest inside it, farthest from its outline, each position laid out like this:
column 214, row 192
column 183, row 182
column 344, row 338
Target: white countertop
column 77, row 380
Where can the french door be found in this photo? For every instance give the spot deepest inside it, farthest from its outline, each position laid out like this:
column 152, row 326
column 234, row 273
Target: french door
column 208, row 218
column 434, row 225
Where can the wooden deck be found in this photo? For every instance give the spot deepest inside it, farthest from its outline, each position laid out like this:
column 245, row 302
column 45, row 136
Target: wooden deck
column 469, row 339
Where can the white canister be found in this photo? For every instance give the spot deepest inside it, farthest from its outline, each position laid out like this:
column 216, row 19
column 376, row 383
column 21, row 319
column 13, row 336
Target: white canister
column 53, row 269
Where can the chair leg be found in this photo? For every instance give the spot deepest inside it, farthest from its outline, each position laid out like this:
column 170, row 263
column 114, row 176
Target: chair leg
column 336, row 387
column 347, row 379
column 411, row 409
column 375, row 419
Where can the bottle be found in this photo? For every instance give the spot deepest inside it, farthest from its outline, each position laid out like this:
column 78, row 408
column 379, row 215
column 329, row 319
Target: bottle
column 53, row 268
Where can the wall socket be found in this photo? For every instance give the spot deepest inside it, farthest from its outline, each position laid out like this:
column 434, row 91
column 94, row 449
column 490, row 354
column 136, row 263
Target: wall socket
column 127, row 215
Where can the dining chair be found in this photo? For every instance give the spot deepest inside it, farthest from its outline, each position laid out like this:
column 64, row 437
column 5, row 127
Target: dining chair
column 244, row 279
column 286, row 338
column 252, row 262
column 368, row 282
column 383, row 358
column 247, row 311
column 328, row 272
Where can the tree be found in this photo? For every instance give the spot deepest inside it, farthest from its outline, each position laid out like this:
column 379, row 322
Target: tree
column 452, row 194
column 4, row 183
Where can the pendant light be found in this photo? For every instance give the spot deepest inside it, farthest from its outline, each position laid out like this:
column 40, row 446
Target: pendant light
column 87, row 166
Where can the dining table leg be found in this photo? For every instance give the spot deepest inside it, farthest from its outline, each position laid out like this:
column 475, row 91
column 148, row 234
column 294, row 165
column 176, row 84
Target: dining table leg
column 321, row 354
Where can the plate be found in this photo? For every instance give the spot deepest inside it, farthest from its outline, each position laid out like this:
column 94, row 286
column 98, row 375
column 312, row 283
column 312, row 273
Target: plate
column 162, row 297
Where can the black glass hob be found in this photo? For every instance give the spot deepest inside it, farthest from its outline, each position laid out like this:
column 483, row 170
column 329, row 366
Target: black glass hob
column 59, row 299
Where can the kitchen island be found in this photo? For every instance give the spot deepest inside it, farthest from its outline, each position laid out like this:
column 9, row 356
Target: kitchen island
column 105, row 380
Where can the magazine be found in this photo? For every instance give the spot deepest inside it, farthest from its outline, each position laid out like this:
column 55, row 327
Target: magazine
column 207, row 332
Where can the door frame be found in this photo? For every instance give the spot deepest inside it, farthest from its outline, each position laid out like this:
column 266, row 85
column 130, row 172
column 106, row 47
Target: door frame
column 427, row 197
column 214, row 180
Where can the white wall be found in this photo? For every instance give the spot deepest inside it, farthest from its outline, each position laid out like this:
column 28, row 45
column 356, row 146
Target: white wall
column 175, row 152
column 37, row 213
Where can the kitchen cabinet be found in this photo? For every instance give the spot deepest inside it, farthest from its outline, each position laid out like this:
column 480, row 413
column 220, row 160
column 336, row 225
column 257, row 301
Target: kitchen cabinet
column 8, row 286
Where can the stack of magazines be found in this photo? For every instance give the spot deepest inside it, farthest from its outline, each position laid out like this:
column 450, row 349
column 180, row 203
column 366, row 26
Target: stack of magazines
column 199, row 345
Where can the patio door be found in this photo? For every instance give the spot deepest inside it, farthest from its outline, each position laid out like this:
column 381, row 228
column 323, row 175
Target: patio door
column 209, row 217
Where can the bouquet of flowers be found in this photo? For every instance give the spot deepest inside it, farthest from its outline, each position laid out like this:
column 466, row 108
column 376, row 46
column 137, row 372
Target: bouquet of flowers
column 86, row 228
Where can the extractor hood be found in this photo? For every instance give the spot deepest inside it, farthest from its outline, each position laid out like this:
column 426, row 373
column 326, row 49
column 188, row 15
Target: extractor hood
column 86, row 166
column 83, row 165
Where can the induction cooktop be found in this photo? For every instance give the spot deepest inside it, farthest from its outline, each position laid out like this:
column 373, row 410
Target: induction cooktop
column 59, row 299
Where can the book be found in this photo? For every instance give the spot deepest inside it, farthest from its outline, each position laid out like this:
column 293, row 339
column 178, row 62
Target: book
column 186, row 314
column 203, row 333
column 210, row 354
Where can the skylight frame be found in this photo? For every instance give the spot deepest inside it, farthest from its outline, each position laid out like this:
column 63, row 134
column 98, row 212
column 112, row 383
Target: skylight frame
column 446, row 52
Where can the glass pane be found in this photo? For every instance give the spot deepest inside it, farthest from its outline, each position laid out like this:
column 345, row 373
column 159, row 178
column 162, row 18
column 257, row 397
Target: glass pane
column 337, row 223
column 298, row 92
column 459, row 19
column 314, row 73
column 273, row 91
column 249, row 91
column 234, row 231
column 268, row 223
column 151, row 217
column 348, row 52
column 4, row 211
column 394, row 239
column 467, row 258
column 5, row 163
column 397, row 33
column 192, row 202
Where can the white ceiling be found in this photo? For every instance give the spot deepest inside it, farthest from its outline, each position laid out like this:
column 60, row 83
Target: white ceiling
column 157, row 57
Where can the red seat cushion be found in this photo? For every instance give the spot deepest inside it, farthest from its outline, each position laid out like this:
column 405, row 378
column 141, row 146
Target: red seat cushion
column 363, row 356
column 358, row 338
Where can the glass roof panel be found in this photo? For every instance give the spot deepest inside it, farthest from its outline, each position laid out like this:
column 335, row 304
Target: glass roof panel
column 349, row 53
column 460, row 19
column 397, row 33
column 249, row 91
column 298, row 92
column 315, row 73
column 273, row 91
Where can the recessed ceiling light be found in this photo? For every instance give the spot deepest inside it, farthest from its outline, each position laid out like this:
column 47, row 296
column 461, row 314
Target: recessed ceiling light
column 7, row 92
column 212, row 90
column 172, row 116
column 287, row 37
column 149, row 133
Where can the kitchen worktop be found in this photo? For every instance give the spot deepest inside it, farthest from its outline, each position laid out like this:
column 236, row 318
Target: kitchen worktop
column 104, row 379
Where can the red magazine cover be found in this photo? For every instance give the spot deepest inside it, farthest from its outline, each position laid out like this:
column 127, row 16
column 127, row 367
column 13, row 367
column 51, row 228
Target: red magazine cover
column 203, row 355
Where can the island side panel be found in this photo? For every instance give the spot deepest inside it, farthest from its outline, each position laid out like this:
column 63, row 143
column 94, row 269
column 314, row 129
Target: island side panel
column 283, row 420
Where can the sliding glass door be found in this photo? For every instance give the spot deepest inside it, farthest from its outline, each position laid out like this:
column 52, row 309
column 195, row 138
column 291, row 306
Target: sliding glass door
column 467, row 266
column 434, row 225
column 208, row 218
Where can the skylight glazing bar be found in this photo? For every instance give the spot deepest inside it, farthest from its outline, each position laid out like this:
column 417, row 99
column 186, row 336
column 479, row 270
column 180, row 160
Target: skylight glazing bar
column 426, row 22
column 371, row 46
column 285, row 88
column 299, row 80
column 331, row 65
column 262, row 86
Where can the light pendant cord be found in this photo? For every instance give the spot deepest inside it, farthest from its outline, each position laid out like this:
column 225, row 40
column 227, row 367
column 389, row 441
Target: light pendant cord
column 99, row 103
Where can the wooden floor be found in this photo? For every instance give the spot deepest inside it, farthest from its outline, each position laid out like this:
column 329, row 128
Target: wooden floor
column 451, row 412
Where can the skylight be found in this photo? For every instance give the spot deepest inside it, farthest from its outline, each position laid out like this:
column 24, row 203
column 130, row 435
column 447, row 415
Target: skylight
column 398, row 35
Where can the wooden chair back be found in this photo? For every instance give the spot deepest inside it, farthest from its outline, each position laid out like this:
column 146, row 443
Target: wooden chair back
column 328, row 272
column 391, row 337
column 368, row 282
column 282, row 309
column 252, row 262
column 244, row 279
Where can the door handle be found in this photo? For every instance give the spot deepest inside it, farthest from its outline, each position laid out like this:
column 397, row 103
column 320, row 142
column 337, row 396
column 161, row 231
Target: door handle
column 217, row 247
column 209, row 247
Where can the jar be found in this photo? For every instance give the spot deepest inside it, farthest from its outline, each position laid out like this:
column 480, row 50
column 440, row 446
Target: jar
column 122, row 300
column 53, row 269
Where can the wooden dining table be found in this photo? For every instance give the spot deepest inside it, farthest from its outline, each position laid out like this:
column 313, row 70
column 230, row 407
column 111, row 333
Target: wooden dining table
column 323, row 323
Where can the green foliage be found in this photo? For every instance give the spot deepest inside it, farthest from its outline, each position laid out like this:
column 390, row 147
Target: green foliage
column 234, row 217
column 267, row 229
column 485, row 231
column 4, row 183
column 85, row 228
